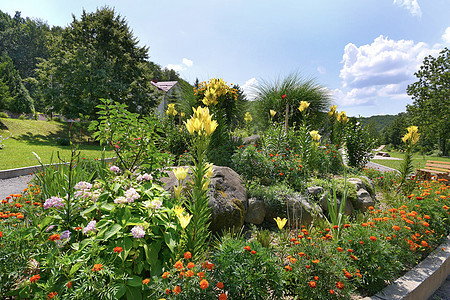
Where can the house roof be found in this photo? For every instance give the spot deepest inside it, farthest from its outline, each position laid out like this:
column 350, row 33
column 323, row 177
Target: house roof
column 164, row 85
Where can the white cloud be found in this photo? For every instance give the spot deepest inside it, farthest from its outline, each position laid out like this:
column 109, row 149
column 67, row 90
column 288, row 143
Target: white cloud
column 249, row 88
column 411, row 5
column 321, row 70
column 383, row 68
column 446, row 36
column 186, row 63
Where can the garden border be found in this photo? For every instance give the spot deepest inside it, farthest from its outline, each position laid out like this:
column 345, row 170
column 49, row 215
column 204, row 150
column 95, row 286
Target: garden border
column 423, row 280
column 11, row 173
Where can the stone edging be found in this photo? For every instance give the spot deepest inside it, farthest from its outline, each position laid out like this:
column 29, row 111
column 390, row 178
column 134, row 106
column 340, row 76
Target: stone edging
column 11, row 173
column 423, row 280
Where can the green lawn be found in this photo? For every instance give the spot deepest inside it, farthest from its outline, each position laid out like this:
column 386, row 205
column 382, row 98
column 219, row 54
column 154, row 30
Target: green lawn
column 41, row 137
column 419, row 161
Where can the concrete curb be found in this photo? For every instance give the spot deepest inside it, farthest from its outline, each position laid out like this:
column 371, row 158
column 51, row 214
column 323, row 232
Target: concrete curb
column 11, row 173
column 423, row 280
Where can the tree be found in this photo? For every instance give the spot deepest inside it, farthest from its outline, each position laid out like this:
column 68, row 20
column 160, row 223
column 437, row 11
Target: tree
column 296, row 89
column 96, row 57
column 431, row 94
column 16, row 98
column 393, row 133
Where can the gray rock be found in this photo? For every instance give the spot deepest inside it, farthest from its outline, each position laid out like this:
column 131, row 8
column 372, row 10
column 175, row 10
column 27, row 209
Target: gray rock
column 251, row 140
column 227, row 197
column 363, row 200
column 256, row 211
column 315, row 190
column 359, row 184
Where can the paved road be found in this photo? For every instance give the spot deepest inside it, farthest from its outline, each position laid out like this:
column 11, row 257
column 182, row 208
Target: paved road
column 13, row 185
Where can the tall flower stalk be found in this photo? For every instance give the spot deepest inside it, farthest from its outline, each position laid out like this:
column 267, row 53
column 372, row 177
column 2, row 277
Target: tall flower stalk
column 410, row 139
column 200, row 126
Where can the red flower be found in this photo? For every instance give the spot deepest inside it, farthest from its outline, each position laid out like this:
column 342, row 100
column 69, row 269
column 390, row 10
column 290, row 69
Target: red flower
column 177, row 290
column 187, row 255
column 97, row 267
column 331, row 292
column 204, row 284
column 145, row 281
column 312, row 284
column 339, row 285
column 288, row 268
column 253, row 252
column 1, row 234
column 35, row 278
column 51, row 295
column 247, row 248
column 165, row 275
column 118, row 249
column 168, row 291
column 53, row 237
column 69, row 284
column 223, row 296
column 220, row 285
column 190, row 265
column 283, row 96
column 372, row 238
column 78, row 228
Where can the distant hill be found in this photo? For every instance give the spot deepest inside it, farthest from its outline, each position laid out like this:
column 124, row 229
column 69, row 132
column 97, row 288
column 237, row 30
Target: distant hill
column 380, row 121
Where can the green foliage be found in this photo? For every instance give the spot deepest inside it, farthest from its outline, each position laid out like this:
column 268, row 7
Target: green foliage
column 296, row 89
column 16, row 96
column 431, row 95
column 133, row 137
column 247, row 275
column 96, row 57
column 358, row 144
column 392, row 134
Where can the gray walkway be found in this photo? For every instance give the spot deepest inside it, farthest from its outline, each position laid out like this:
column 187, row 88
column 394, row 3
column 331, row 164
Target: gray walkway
column 13, row 185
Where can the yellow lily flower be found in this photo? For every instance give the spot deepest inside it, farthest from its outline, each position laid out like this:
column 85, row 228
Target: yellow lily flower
column 248, row 117
column 184, row 220
column 315, row 135
column 180, row 173
column 178, row 210
column 332, row 110
column 280, row 222
column 303, row 105
column 177, row 191
column 273, row 113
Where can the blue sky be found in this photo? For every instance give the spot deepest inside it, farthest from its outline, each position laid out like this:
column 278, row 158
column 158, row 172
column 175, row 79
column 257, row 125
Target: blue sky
column 364, row 52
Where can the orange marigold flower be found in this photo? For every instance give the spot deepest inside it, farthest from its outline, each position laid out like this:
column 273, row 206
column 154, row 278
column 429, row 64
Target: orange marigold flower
column 316, row 278
column 361, row 242
column 247, row 248
column 335, row 227
column 97, row 267
column 427, row 217
column 118, row 249
column 51, row 295
column 331, row 292
column 165, row 275
column 54, row 237
column 189, row 273
column 339, row 285
column 187, row 255
column 395, row 227
column 69, row 284
column 315, row 261
column 293, row 260
column 201, row 275
column 426, row 224
column 308, row 266
column 350, row 250
column 288, row 268
column 223, row 296
column 301, row 254
column 177, row 289
column 312, row 284
column 372, row 238
column 346, row 225
column 1, row 234
column 348, row 275
column 190, row 265
column 364, row 224
column 220, row 285
column 145, row 281
column 178, row 265
column 204, row 284
column 78, row 228
column 424, row 243
column 253, row 252
column 35, row 278
column 339, row 249
column 168, row 291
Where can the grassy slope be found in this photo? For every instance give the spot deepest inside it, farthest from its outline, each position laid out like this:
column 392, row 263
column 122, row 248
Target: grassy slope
column 40, row 137
column 419, row 161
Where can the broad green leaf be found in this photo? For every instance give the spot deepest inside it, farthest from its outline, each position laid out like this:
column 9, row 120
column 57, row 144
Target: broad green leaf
column 134, row 281
column 75, row 267
column 112, row 231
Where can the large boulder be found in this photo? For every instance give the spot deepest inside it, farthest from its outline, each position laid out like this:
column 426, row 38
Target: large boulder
column 348, row 209
column 256, row 211
column 227, row 197
column 297, row 207
column 363, row 198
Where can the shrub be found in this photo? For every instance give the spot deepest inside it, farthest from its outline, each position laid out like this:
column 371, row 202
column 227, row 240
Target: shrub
column 358, row 144
column 3, row 115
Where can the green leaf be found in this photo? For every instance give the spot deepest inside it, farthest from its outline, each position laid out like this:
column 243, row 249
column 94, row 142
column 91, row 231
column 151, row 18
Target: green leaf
column 107, row 206
column 112, row 231
column 134, row 281
column 45, row 222
column 170, row 241
column 121, row 291
column 88, row 210
column 134, row 293
column 75, row 267
column 135, row 221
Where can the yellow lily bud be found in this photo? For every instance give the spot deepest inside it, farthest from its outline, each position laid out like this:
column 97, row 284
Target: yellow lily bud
column 332, row 110
column 178, row 210
column 273, row 113
column 209, row 171
column 205, row 185
column 177, row 191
